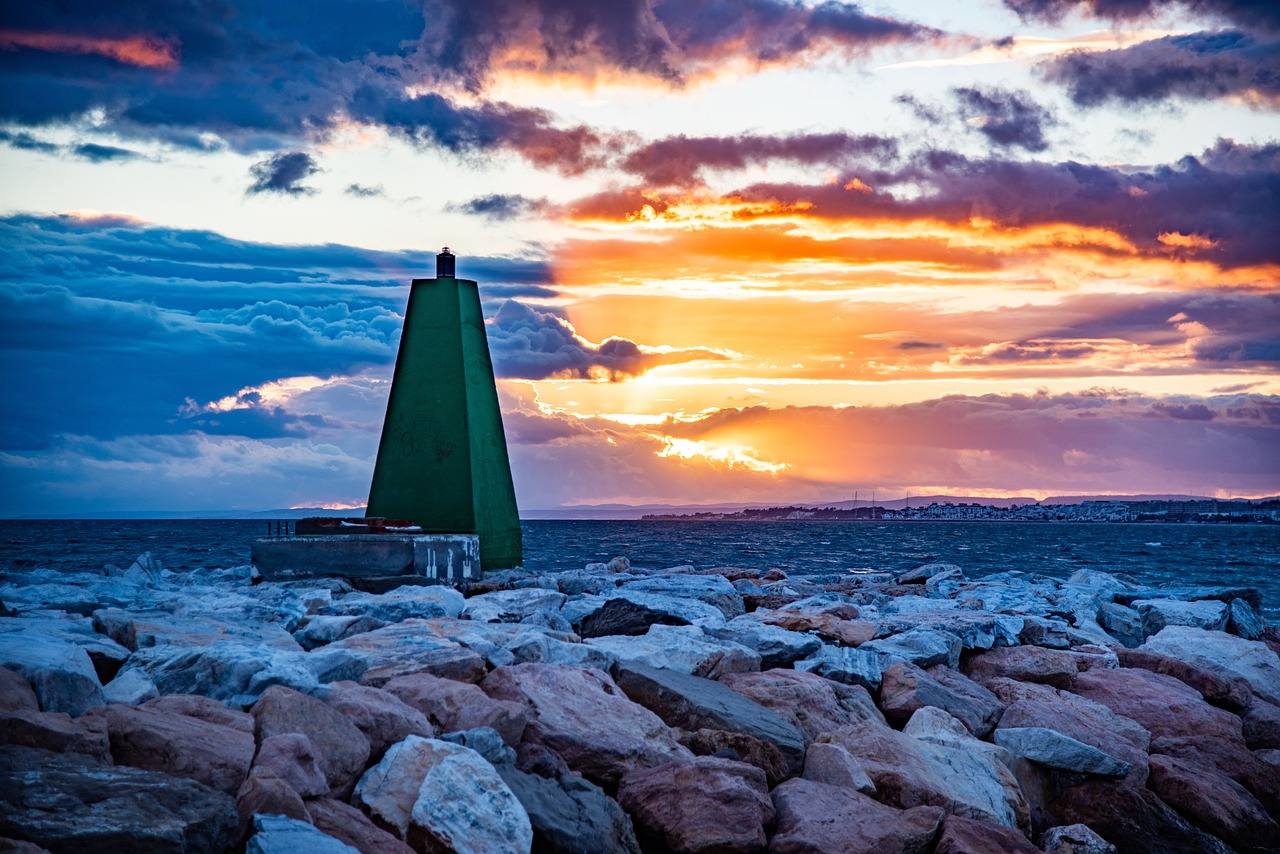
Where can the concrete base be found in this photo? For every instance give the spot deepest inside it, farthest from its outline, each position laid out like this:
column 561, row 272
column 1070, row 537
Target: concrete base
column 440, row 558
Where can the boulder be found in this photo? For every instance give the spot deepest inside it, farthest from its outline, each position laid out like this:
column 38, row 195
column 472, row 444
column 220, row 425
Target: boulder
column 486, row 742
column 922, row 647
column 1231, row 759
column 1245, row 621
column 683, row 648
column 64, row 802
column 692, row 703
column 765, row 755
column 714, row 590
column 977, row 629
column 511, row 606
column 1132, row 819
column 411, row 646
column 57, row 732
column 1161, row 704
column 586, row 718
column 848, row 666
column 1055, row 750
column 132, row 687
column 1213, row 802
column 966, row 836
column 693, row 611
column 921, row 574
column 347, row 824
column 383, row 717
column 571, row 815
column 322, row 630
column 278, row 834
column 1074, row 839
column 700, row 805
column 15, row 692
column 290, row 757
column 624, row 617
column 501, row 644
column 1227, row 692
column 59, row 672
column 1122, row 623
column 1225, row 655
column 813, row 817
column 1051, row 632
column 1026, row 664
column 400, row 604
column 454, row 706
column 1158, row 613
column 776, row 646
column 202, row 708
column 158, row 740
column 824, row 624
column 340, row 747
column 813, row 704
column 1261, row 725
column 832, row 765
column 263, row 792
column 905, row 688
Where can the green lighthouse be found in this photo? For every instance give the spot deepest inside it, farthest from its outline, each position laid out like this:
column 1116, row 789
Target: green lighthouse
column 442, row 462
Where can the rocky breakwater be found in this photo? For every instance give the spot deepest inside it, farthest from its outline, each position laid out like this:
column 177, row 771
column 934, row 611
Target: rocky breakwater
column 620, row 709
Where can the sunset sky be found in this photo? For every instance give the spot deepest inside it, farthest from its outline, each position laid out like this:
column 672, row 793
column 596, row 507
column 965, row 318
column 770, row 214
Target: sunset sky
column 758, row 251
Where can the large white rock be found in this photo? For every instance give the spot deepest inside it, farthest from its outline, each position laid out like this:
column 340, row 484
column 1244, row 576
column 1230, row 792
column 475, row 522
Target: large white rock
column 713, row 589
column 511, row 606
column 402, row 603
column 59, row 671
column 1055, row 750
column 1226, row 655
column 1158, row 613
column 683, row 648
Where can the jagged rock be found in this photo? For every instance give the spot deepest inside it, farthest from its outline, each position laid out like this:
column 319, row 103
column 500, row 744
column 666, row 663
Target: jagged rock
column 157, row 740
column 1231, row 759
column 977, row 629
column 340, row 747
column 1261, row 725
column 403, row 603
column 1252, row 595
column 501, row 644
column 64, row 802
column 848, row 666
column 814, row 704
column 15, row 692
column 290, row 757
column 454, row 706
column 833, row 765
column 321, row 630
column 511, row 606
column 921, row 574
column 411, row 646
column 1074, row 839
column 1132, row 819
column 263, row 792
column 712, row 589
column 922, row 647
column 1244, row 621
column 765, row 755
column 966, row 836
column 383, row 718
column 1161, row 704
column 1051, row 632
column 905, row 688
column 585, row 717
column 822, row 623
column 1213, row 802
column 486, row 742
column 1158, row 613
column 776, row 646
column 703, row 804
column 1055, row 750
column 1229, row 693
column 571, row 815
column 683, row 648
column 138, row 629
column 57, row 732
column 278, row 834
column 1121, row 622
column 106, row 655
column 1026, row 664
column 132, row 687
column 624, row 617
column 693, row 703
column 692, row 611
column 1226, row 655
column 59, row 672
column 813, row 817
column 202, row 708
column 347, row 824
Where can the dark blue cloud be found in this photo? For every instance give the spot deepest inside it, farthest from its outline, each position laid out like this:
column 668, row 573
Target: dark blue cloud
column 498, row 206
column 360, row 191
column 283, row 173
column 1007, row 118
column 97, row 153
column 1259, row 14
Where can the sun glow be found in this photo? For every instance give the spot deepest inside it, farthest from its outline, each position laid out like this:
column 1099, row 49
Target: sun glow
column 732, row 456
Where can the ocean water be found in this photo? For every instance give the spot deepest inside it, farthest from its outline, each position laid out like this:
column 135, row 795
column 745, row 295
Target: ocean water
column 1155, row 554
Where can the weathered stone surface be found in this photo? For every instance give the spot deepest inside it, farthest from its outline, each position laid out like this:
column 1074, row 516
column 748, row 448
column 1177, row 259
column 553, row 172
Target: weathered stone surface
column 501, row 644
column 389, row 789
column 1213, row 802
column 57, row 732
column 1033, row 705
column 848, row 666
column 571, row 815
column 463, row 806
column 132, row 687
column 347, row 824
column 340, row 747
column 1026, row 664
column 977, row 629
column 64, row 803
column 291, row 757
column 15, row 692
column 1158, row 613
column 694, row 611
column 1161, row 704
column 905, row 688
column 321, row 630
column 400, row 604
column 833, row 765
column 700, row 805
column 1050, row 632
column 922, row 647
column 202, row 708
column 711, row 589
column 1121, row 622
column 1226, row 655
column 1261, row 725
column 776, row 646
column 624, row 617
column 966, row 836
column 765, row 755
column 692, row 703
column 383, row 717
column 683, row 648
column 1229, row 693
column 1055, row 750
column 1132, row 819
column 1074, row 839
column 408, row 647
column 921, row 574
column 826, row 625
column 1244, row 620
column 58, row 671
column 813, row 817
column 278, row 834
column 1231, row 759
column 511, row 606
column 264, row 792
column 188, row 624
column 815, row 705
column 157, row 740
column 455, row 706
column 583, row 716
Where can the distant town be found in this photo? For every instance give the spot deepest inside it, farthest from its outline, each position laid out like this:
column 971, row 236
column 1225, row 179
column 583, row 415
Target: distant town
column 1265, row 511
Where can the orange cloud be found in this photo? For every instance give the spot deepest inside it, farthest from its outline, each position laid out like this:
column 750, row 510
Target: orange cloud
column 141, row 51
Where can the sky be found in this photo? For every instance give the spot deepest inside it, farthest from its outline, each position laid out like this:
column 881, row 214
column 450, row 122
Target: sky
column 750, row 251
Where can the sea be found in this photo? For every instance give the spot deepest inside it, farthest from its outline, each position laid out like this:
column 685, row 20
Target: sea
column 1155, row 554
